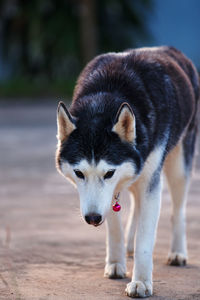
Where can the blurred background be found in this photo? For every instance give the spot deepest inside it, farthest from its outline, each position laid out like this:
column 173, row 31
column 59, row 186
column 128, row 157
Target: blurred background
column 45, row 43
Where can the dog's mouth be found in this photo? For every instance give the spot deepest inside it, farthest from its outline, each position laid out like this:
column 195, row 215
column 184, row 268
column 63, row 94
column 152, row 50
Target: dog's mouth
column 96, row 225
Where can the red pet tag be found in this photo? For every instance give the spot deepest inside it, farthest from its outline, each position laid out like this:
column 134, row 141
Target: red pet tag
column 116, row 206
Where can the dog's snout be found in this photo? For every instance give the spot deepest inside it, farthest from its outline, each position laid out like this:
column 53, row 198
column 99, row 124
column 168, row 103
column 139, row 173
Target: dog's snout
column 93, row 219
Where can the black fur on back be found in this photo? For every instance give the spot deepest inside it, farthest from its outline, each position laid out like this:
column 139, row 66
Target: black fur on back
column 160, row 84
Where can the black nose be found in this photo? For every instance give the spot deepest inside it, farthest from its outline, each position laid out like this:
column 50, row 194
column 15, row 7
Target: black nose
column 93, row 219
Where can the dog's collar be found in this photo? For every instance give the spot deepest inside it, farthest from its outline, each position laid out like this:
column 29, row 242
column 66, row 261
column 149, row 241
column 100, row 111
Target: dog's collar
column 116, row 197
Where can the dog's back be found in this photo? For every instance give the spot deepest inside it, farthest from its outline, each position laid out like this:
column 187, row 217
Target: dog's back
column 160, row 84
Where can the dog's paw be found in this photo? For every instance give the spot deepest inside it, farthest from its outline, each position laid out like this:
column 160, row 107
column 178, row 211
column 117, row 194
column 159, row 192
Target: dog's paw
column 139, row 289
column 115, row 270
column 176, row 259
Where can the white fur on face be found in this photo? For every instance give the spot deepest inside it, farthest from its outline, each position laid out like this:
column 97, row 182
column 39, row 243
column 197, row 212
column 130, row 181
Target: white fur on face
column 96, row 193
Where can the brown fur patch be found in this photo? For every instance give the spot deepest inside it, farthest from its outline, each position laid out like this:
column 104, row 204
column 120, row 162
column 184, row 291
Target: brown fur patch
column 65, row 126
column 125, row 127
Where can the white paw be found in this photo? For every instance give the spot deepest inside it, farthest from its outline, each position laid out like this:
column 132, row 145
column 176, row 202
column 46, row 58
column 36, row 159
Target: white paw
column 177, row 259
column 115, row 270
column 139, row 289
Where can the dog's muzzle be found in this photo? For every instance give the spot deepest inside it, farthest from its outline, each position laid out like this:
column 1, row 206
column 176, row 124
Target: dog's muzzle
column 93, row 219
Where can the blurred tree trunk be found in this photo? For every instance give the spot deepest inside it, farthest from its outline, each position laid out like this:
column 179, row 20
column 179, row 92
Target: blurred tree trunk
column 88, row 29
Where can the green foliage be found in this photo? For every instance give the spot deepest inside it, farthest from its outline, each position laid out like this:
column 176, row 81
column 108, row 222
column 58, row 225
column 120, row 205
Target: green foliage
column 21, row 87
column 122, row 23
column 43, row 42
column 41, row 39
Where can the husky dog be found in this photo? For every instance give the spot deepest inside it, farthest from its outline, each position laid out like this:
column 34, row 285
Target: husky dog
column 133, row 115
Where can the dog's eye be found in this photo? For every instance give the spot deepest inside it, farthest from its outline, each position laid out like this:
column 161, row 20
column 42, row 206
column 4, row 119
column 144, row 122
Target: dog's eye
column 109, row 174
column 79, row 174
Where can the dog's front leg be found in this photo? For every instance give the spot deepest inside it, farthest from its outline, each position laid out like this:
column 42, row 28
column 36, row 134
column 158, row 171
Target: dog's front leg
column 115, row 248
column 148, row 207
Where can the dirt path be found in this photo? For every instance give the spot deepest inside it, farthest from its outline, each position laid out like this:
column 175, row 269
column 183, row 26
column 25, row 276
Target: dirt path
column 46, row 250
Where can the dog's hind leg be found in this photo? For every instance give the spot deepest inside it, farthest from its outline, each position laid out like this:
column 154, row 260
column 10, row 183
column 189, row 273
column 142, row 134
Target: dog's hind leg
column 131, row 226
column 177, row 169
column 115, row 248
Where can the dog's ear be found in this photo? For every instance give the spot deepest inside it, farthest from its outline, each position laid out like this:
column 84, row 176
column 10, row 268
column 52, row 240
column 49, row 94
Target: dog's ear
column 125, row 123
column 65, row 122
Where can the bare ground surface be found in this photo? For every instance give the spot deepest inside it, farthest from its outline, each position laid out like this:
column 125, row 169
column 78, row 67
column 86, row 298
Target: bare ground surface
column 46, row 249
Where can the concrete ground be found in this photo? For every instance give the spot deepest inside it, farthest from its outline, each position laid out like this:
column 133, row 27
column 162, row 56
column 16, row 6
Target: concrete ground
column 46, row 250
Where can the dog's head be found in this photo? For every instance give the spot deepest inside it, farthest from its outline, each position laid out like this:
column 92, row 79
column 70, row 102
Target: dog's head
column 98, row 155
